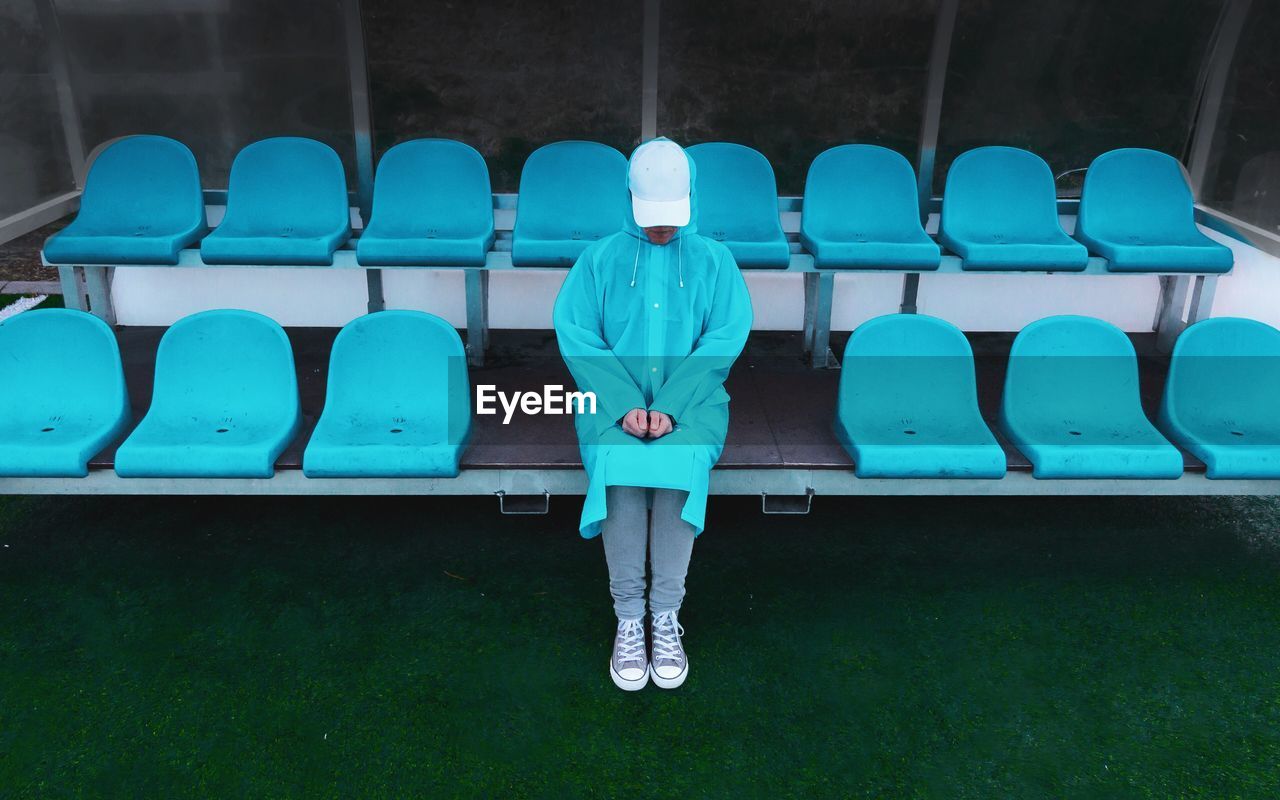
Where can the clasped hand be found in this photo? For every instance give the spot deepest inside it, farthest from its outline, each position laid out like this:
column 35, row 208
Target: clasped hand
column 647, row 424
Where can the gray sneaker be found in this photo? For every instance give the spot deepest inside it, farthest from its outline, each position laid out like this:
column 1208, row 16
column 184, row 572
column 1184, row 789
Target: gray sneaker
column 670, row 665
column 629, row 664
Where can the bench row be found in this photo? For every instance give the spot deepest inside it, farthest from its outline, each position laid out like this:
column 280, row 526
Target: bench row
column 225, row 402
column 287, row 204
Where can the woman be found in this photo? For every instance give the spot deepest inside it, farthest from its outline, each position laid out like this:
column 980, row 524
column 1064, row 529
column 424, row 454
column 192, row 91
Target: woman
column 651, row 319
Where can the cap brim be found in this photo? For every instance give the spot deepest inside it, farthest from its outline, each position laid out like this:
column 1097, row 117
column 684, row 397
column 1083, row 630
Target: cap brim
column 653, row 213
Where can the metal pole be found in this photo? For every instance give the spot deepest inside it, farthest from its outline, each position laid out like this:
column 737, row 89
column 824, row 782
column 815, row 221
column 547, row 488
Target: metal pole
column 362, row 125
column 943, row 29
column 649, row 73
column 1209, row 104
column 939, row 54
column 60, row 66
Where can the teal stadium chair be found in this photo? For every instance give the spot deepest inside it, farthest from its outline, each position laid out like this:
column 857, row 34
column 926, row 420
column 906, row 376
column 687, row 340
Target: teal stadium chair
column 398, row 403
column 432, row 206
column 142, row 204
column 861, row 212
column 571, row 194
column 1222, row 397
column 64, row 396
column 1071, row 404
column 225, row 403
column 738, row 204
column 908, row 402
column 1137, row 212
column 1000, row 212
column 286, row 204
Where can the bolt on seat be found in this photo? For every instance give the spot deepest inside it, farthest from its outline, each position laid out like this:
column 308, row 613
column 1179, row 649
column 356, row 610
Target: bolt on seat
column 225, row 403
column 1000, row 212
column 432, row 206
column 142, row 204
column 64, row 396
column 861, row 212
column 908, row 402
column 1221, row 395
column 286, row 204
column 1071, row 404
column 398, row 402
column 738, row 204
column 572, row 193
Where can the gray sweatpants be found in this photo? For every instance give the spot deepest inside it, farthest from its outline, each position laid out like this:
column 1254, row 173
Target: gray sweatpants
column 628, row 531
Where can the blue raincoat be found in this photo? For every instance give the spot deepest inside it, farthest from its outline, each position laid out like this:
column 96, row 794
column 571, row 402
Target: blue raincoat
column 654, row 327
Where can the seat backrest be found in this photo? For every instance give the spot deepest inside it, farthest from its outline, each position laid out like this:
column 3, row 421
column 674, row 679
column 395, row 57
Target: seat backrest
column 401, row 364
column 286, row 181
column 142, row 183
column 906, row 364
column 59, row 363
column 998, row 190
column 1061, row 365
column 1135, row 194
column 860, row 189
column 1227, row 366
column 226, row 361
column 572, row 190
column 737, row 193
column 435, row 188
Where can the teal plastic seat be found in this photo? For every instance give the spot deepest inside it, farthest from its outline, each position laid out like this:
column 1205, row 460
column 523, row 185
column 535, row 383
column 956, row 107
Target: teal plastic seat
column 142, row 204
column 571, row 194
column 861, row 212
column 432, row 206
column 1000, row 212
column 225, row 403
column 1221, row 397
column 286, row 204
column 1071, row 404
column 64, row 396
column 908, row 403
column 1137, row 212
column 398, row 403
column 738, row 204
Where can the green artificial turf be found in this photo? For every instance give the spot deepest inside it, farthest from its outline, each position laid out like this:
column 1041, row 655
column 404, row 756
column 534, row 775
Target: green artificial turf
column 338, row 647
column 52, row 301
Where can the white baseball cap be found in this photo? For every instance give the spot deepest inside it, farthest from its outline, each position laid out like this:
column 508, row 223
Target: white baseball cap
column 659, row 182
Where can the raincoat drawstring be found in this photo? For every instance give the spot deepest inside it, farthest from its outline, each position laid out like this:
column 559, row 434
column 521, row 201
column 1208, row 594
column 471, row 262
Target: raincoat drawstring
column 679, row 261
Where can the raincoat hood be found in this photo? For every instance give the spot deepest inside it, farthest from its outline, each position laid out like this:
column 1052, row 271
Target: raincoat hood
column 632, row 228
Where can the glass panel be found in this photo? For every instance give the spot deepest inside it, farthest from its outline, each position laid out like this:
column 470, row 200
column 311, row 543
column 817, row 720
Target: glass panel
column 1071, row 79
column 214, row 74
column 33, row 153
column 505, row 76
column 792, row 79
column 1244, row 169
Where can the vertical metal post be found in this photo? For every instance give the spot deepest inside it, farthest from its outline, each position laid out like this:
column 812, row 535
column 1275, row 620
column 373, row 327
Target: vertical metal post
column 362, row 125
column 649, row 72
column 820, row 353
column 72, row 294
column 1209, row 104
column 98, row 281
column 939, row 54
column 60, row 65
column 943, row 30
column 1202, row 298
column 477, row 291
column 1173, row 299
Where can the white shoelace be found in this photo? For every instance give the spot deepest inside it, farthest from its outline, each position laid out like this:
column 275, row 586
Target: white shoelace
column 666, row 637
column 630, row 641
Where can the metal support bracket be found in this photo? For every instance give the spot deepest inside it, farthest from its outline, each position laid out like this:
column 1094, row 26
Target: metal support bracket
column 477, row 288
column 787, row 504
column 98, row 281
column 910, row 292
column 516, row 505
column 819, row 292
column 373, row 279
column 73, row 295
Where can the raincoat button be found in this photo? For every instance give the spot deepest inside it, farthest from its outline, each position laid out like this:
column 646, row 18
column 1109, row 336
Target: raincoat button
column 655, row 305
